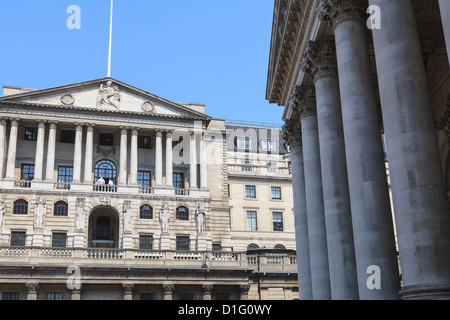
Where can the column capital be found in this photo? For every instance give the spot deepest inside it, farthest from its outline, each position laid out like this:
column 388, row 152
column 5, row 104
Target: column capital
column 303, row 101
column 207, row 288
column 32, row 287
column 89, row 125
column 128, row 288
column 319, row 59
column 14, row 121
column 168, row 288
column 134, row 130
column 159, row 132
column 41, row 123
column 292, row 132
column 79, row 125
column 336, row 11
column 3, row 121
column 124, row 130
column 53, row 123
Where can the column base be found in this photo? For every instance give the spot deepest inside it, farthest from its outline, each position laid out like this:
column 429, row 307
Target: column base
column 426, row 292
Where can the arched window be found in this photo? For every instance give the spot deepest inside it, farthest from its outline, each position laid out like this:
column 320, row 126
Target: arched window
column 60, row 208
column 146, row 212
column 182, row 213
column 252, row 246
column 280, row 246
column 107, row 170
column 20, row 207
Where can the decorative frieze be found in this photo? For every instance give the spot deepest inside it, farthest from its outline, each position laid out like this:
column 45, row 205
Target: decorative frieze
column 336, row 11
column 319, row 59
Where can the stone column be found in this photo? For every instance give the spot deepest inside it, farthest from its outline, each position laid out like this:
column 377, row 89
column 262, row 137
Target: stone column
column 76, row 293
column 292, row 134
column 304, row 103
column 32, row 290
column 77, row 153
column 123, row 156
column 320, row 62
column 3, row 123
column 158, row 159
column 417, row 184
column 169, row 159
column 193, row 161
column 203, row 167
column 134, row 156
column 128, row 291
column 444, row 6
column 12, row 147
column 88, row 156
column 373, row 229
column 168, row 289
column 207, row 291
column 39, row 156
column 51, row 149
column 245, row 288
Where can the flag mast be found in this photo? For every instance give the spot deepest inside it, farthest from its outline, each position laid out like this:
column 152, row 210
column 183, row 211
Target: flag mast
column 110, row 39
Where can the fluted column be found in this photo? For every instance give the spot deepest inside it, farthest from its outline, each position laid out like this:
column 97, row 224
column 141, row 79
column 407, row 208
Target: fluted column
column 134, row 156
column 373, row 229
column 203, row 164
column 444, row 6
column 123, row 155
column 3, row 123
column 169, row 159
column 304, row 103
column 292, row 134
column 77, row 152
column 158, row 159
column 320, row 62
column 51, row 149
column 193, row 161
column 39, row 156
column 12, row 148
column 88, row 156
column 417, row 183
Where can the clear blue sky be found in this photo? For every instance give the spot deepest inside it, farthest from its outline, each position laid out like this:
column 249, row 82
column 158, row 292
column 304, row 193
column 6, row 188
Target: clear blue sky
column 206, row 51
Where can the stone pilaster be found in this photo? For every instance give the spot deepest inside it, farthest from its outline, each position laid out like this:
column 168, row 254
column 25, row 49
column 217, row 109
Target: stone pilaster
column 39, row 156
column 207, row 291
column 158, row 159
column 51, row 149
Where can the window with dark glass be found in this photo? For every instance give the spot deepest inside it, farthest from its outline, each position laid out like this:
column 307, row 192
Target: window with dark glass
column 30, row 134
column 107, row 170
column 144, row 142
column 54, row 296
column 65, row 174
column 277, row 218
column 106, row 139
column 67, row 136
column 250, row 192
column 146, row 212
column 18, row 238
column 275, row 193
column 60, row 208
column 144, row 178
column 185, row 296
column 59, row 240
column 178, row 181
column 146, row 296
column 20, row 207
column 252, row 224
column 146, row 242
column 27, row 172
column 10, row 295
column 182, row 242
column 182, row 213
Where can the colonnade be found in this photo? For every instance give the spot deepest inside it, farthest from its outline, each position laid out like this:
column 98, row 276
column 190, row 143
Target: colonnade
column 334, row 127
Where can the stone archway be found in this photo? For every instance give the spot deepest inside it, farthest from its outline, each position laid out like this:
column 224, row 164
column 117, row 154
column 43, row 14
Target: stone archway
column 104, row 223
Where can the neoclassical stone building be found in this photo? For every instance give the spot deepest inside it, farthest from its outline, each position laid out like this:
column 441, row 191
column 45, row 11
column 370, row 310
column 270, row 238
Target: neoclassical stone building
column 346, row 73
column 110, row 192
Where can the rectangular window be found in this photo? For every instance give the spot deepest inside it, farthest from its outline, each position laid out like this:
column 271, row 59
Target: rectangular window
column 67, row 136
column 146, row 296
column 27, row 172
column 185, row 296
column 252, row 224
column 268, row 145
column 59, row 240
column 244, row 143
column 30, row 134
column 54, row 296
column 144, row 178
column 277, row 218
column 144, row 142
column 10, row 295
column 182, row 242
column 65, row 174
column 18, row 238
column 275, row 193
column 106, row 139
column 146, row 242
column 178, row 181
column 250, row 192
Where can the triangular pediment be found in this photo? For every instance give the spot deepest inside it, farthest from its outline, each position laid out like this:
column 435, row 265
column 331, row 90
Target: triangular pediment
column 106, row 94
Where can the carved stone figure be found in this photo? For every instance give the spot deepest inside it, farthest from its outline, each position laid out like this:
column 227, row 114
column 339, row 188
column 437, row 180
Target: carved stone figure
column 200, row 217
column 164, row 215
column 127, row 217
column 79, row 218
column 108, row 95
column 39, row 212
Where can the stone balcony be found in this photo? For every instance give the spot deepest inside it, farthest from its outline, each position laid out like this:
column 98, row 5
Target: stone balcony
column 49, row 256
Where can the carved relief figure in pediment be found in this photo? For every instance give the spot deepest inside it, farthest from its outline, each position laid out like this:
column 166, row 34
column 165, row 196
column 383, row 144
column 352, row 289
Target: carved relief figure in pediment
column 108, row 95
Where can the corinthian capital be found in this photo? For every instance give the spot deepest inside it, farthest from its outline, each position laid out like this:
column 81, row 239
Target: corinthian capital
column 303, row 101
column 319, row 59
column 292, row 132
column 335, row 11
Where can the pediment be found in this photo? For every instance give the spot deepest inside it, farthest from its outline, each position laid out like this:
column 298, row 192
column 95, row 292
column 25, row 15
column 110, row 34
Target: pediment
column 105, row 94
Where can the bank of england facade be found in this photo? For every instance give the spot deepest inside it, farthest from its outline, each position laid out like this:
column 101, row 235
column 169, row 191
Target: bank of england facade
column 349, row 74
column 111, row 192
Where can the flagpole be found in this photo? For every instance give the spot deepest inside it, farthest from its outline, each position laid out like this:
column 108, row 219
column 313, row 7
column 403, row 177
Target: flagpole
column 110, row 40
